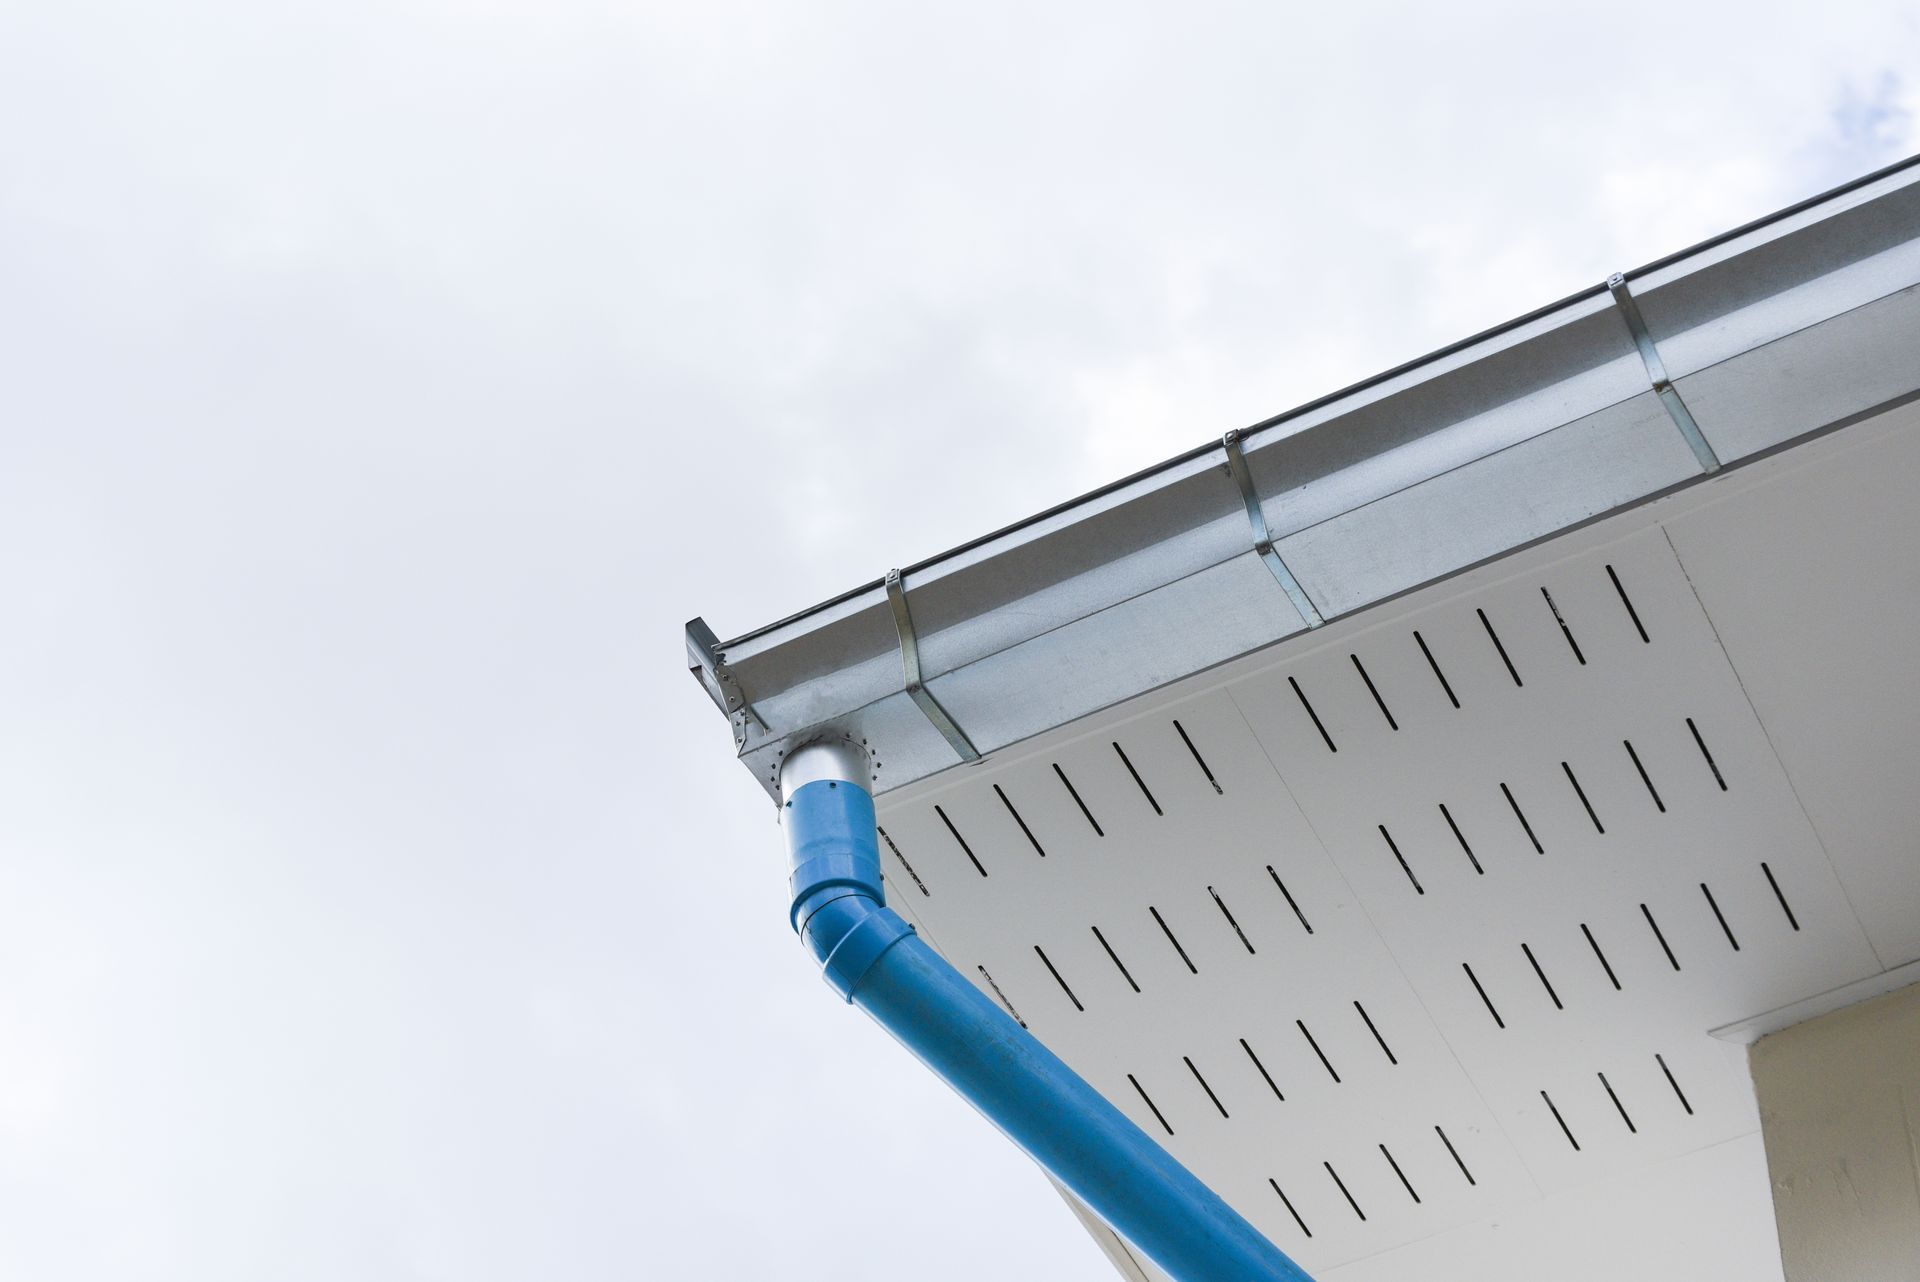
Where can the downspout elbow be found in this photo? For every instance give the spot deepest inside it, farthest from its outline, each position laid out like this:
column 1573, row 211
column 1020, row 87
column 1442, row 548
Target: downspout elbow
column 872, row 958
column 839, row 906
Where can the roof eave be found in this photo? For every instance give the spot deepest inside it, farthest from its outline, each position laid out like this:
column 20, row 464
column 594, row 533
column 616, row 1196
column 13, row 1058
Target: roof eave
column 1769, row 334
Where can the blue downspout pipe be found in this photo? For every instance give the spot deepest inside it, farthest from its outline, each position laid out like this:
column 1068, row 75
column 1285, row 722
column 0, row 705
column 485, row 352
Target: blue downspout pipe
column 874, row 960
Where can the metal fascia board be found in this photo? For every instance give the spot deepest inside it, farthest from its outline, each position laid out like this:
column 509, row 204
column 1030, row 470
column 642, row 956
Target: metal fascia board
column 1705, row 253
column 1562, row 366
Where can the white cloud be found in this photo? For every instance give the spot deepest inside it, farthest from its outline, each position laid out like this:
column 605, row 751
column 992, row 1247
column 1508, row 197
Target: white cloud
column 387, row 383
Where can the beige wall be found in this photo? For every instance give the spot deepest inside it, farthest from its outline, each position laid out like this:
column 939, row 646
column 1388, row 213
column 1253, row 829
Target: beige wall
column 1840, row 1112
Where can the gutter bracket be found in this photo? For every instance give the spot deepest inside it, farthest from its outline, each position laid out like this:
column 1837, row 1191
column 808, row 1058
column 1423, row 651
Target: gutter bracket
column 709, row 667
column 1657, row 373
column 1262, row 536
column 916, row 687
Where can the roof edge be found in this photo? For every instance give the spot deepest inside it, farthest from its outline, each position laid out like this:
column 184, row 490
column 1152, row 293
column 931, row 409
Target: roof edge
column 1763, row 334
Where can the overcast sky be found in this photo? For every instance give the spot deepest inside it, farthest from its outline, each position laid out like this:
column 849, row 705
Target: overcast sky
column 383, row 385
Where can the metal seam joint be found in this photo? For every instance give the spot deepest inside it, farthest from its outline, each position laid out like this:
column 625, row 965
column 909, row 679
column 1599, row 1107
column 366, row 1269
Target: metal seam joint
column 1262, row 536
column 1657, row 373
column 916, row 686
column 861, row 947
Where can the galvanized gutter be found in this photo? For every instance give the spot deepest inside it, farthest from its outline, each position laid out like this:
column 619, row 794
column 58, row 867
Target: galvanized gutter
column 1653, row 381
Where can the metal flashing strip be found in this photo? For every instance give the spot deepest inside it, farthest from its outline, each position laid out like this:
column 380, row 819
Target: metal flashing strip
column 910, row 663
column 1746, row 1032
column 1262, row 536
column 1657, row 373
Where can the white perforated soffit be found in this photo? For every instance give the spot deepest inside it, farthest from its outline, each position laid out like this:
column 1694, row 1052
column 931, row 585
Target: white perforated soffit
column 1417, row 926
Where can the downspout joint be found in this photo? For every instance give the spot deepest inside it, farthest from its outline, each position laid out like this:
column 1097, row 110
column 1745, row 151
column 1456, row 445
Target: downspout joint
column 839, row 904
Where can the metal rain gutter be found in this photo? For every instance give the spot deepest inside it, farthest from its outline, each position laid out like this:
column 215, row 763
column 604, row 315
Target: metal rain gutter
column 1656, row 380
column 874, row 960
